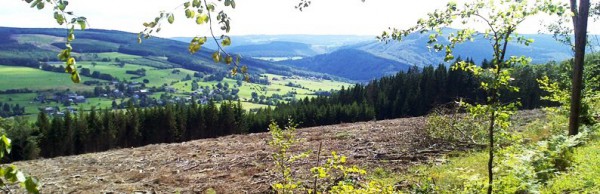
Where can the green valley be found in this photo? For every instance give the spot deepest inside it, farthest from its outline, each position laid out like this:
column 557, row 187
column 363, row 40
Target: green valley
column 112, row 75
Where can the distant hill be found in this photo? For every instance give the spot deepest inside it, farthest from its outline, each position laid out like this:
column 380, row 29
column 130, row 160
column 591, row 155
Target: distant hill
column 319, row 44
column 28, row 46
column 413, row 49
column 373, row 59
column 354, row 64
column 276, row 49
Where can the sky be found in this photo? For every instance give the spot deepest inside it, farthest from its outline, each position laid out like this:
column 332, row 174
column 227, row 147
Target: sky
column 334, row 17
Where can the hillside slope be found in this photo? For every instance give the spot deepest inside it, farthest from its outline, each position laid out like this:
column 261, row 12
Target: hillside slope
column 29, row 46
column 231, row 164
column 353, row 64
column 275, row 49
column 319, row 43
column 412, row 51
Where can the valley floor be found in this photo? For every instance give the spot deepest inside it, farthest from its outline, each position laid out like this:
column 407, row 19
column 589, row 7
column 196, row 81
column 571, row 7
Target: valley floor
column 231, row 164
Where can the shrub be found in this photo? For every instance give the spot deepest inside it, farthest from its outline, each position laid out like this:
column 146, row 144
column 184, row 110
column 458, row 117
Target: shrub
column 449, row 125
column 10, row 173
column 333, row 176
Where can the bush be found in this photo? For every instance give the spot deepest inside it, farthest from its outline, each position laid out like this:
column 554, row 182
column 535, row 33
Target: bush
column 333, row 176
column 10, row 173
column 450, row 125
column 24, row 143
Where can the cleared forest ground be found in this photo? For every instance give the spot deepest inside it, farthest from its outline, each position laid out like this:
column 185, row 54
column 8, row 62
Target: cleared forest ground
column 231, row 164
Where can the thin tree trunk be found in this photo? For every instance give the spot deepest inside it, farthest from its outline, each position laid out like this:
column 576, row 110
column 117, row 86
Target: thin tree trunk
column 580, row 20
column 494, row 101
column 491, row 153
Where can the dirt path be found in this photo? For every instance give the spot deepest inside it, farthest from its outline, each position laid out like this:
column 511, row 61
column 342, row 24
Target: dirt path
column 231, row 164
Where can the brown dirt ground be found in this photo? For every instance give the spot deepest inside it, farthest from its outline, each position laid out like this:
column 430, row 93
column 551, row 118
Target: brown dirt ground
column 230, row 164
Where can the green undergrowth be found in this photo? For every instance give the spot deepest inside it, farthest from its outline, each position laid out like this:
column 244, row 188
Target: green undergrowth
column 584, row 176
column 541, row 159
column 451, row 175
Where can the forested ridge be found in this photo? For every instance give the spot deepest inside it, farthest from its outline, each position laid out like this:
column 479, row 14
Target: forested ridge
column 406, row 94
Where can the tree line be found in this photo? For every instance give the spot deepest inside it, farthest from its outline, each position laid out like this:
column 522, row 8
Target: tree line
column 406, row 94
column 411, row 93
column 100, row 130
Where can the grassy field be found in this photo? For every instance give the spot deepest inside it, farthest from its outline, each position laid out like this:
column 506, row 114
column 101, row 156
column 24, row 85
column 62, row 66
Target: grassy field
column 121, row 56
column 157, row 77
column 39, row 80
column 37, row 39
column 22, row 100
column 277, row 87
column 36, row 79
column 314, row 85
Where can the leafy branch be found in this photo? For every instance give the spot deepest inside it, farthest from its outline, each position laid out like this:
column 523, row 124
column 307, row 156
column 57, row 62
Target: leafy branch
column 10, row 173
column 201, row 12
column 70, row 20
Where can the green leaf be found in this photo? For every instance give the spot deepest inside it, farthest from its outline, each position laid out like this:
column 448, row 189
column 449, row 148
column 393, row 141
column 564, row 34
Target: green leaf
column 70, row 61
column 75, row 77
column 59, row 18
column 193, row 48
column 62, row 6
column 71, row 37
column 63, row 55
column 31, row 185
column 186, row 5
column 233, row 4
column 189, row 13
column 196, row 43
column 35, row 3
column 171, row 19
column 228, row 60
column 210, row 7
column 226, row 41
column 82, row 23
column 216, row 56
column 448, row 57
column 69, row 69
column 196, row 3
column 40, row 5
column 10, row 172
column 6, row 143
column 244, row 69
column 201, row 19
column 202, row 40
column 234, row 71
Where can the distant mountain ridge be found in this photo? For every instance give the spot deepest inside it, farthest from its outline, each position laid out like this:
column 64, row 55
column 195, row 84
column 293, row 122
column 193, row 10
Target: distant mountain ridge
column 277, row 49
column 354, row 64
column 385, row 58
column 340, row 55
column 413, row 49
column 167, row 52
column 319, row 44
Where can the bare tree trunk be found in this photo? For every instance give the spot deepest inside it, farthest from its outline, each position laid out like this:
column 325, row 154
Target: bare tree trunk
column 580, row 20
column 491, row 153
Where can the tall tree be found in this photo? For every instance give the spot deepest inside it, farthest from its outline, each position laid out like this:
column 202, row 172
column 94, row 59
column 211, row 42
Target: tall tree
column 580, row 21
